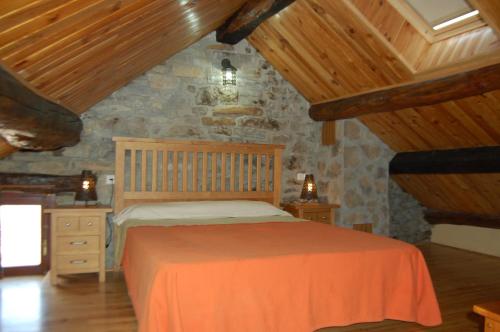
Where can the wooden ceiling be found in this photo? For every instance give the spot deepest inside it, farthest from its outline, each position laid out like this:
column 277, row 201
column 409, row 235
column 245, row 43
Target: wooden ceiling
column 329, row 49
column 78, row 52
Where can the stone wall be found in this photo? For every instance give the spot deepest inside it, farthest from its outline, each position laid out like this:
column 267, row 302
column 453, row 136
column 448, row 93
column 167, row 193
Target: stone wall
column 407, row 216
column 363, row 172
column 183, row 98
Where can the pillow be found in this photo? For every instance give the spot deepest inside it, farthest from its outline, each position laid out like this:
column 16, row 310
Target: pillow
column 199, row 210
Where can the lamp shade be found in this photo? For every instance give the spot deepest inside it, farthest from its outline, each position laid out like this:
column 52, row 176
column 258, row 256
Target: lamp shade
column 87, row 191
column 309, row 190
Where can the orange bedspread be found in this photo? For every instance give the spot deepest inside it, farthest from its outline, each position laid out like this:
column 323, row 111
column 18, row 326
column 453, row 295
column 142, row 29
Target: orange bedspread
column 290, row 277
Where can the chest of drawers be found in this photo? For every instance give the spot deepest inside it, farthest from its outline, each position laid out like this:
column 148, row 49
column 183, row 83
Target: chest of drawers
column 77, row 241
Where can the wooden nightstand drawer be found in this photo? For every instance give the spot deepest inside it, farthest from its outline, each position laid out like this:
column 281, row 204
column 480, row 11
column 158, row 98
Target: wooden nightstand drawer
column 310, row 215
column 77, row 263
column 324, row 216
column 67, row 224
column 77, row 244
column 89, row 224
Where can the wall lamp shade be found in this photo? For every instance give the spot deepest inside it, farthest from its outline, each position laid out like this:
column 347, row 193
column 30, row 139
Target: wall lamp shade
column 87, row 190
column 228, row 73
column 309, row 190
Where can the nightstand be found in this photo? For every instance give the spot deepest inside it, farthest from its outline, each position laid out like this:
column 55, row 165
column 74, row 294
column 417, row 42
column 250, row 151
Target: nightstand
column 312, row 211
column 77, row 240
column 491, row 313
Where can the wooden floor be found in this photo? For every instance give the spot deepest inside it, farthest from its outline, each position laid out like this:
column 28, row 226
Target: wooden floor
column 30, row 304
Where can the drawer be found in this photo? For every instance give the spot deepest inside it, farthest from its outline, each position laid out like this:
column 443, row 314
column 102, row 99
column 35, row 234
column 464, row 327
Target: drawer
column 90, row 224
column 77, row 244
column 77, row 262
column 323, row 216
column 67, row 224
column 310, row 215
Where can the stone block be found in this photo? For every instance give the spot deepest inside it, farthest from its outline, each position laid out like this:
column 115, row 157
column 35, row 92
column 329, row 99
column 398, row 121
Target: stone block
column 207, row 121
column 237, row 111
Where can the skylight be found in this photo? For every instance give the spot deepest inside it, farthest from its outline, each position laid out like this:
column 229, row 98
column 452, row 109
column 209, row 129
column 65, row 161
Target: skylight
column 439, row 19
column 455, row 20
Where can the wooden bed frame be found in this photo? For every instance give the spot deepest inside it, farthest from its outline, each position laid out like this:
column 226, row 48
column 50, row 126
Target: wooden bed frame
column 222, row 171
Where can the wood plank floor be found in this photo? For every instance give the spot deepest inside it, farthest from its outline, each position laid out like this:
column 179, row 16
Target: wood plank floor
column 30, row 304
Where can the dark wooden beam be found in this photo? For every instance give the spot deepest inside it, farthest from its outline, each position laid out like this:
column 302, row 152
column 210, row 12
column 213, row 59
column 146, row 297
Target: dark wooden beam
column 41, row 183
column 423, row 93
column 31, row 122
column 434, row 217
column 459, row 161
column 242, row 23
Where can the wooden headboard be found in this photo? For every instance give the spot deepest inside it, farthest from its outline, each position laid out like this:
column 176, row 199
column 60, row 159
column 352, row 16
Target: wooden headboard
column 154, row 170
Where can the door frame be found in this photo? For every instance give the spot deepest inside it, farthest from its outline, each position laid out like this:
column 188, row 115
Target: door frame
column 25, row 198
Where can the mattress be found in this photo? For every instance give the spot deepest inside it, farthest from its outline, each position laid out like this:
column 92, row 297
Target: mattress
column 272, row 276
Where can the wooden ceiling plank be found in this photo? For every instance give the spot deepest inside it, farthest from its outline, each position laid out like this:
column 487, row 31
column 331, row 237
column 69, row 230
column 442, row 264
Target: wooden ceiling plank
column 463, row 129
column 15, row 52
column 26, row 11
column 381, row 130
column 8, row 7
column 458, row 135
column 357, row 77
column 60, row 52
column 102, row 52
column 423, row 125
column 43, row 20
column 365, row 40
column 414, row 94
column 247, row 19
column 490, row 12
column 287, row 54
column 392, row 125
column 303, row 37
column 396, row 61
column 313, row 67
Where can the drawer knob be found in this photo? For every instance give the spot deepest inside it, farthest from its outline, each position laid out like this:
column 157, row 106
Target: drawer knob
column 68, row 224
column 324, row 218
column 90, row 223
column 78, row 261
column 78, row 243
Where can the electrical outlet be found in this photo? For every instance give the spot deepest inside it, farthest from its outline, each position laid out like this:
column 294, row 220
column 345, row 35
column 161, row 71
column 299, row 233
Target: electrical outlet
column 110, row 179
column 301, row 176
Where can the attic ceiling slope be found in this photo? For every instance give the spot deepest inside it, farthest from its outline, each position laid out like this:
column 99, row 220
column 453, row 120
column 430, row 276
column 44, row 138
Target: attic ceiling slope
column 78, row 52
column 325, row 51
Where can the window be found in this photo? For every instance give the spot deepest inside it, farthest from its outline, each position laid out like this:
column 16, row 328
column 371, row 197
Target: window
column 21, row 235
column 438, row 20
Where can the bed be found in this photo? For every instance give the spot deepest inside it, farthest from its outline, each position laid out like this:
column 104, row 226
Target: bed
column 204, row 248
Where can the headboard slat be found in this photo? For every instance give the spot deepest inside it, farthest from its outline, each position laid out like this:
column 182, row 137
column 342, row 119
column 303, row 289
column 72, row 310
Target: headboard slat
column 144, row 166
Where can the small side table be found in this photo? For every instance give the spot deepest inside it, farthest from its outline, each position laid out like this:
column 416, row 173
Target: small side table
column 77, row 240
column 318, row 212
column 491, row 313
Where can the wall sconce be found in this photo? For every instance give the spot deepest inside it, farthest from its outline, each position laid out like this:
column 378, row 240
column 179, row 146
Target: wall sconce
column 87, row 191
column 309, row 191
column 228, row 73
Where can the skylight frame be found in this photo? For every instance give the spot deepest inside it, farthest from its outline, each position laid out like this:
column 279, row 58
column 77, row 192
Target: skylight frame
column 427, row 31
